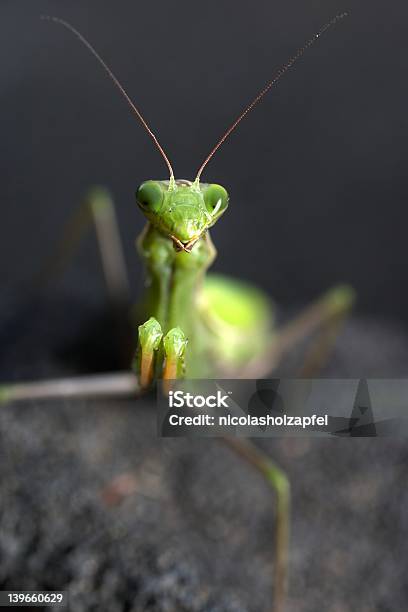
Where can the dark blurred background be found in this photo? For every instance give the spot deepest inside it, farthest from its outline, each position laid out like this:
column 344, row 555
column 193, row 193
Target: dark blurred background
column 317, row 174
column 319, row 194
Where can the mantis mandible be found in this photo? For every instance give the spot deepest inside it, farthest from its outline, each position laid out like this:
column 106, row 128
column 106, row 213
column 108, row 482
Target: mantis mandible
column 190, row 323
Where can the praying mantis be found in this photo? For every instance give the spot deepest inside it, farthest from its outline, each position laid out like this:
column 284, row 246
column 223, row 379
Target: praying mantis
column 197, row 325
column 192, row 324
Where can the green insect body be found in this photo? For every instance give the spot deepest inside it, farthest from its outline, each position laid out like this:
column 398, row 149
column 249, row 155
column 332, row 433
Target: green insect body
column 198, row 325
column 192, row 324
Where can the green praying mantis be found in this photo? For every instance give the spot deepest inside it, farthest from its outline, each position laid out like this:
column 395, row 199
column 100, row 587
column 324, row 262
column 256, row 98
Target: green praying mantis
column 197, row 325
column 193, row 324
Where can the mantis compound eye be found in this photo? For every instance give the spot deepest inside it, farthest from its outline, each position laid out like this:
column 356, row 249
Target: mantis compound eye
column 150, row 196
column 216, row 199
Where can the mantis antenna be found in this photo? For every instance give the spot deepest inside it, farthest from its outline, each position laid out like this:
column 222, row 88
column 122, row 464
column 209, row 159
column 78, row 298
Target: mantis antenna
column 119, row 86
column 265, row 90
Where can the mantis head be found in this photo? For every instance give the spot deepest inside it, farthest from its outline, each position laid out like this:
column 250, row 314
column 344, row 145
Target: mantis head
column 182, row 210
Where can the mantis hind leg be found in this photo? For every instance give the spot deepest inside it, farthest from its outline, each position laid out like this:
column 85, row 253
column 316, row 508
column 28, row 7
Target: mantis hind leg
column 318, row 324
column 96, row 209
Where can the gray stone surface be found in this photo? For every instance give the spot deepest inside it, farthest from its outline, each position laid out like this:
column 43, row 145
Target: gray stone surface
column 196, row 533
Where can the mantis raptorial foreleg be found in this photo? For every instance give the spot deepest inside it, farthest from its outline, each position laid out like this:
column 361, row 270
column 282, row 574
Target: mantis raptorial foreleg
column 174, row 277
column 157, row 353
column 174, row 345
column 150, row 337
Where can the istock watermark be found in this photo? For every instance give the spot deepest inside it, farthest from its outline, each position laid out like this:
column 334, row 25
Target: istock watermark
column 284, row 407
column 182, row 399
column 178, row 399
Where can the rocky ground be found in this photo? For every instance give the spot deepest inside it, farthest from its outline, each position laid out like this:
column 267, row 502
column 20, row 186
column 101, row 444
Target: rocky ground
column 195, row 532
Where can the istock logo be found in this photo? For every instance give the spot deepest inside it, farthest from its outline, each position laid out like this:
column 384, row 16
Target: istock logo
column 178, row 399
